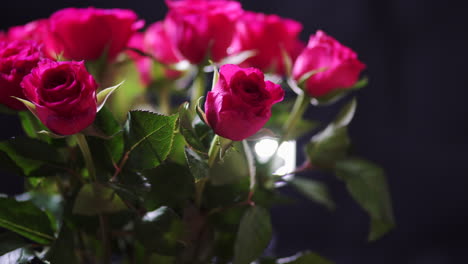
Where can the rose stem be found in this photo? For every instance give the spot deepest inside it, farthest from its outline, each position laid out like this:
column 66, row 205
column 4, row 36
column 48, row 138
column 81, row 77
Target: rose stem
column 83, row 144
column 106, row 256
column 252, row 173
column 214, row 150
column 165, row 100
column 198, row 88
column 212, row 155
column 301, row 104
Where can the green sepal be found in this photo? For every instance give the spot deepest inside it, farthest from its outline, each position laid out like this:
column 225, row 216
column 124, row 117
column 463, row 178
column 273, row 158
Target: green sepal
column 103, row 95
column 337, row 94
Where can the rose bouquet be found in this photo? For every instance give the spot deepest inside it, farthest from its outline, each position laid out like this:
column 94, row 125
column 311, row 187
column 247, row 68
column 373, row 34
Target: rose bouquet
column 146, row 146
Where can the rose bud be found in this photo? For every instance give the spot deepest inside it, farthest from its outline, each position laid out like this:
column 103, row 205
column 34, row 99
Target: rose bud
column 269, row 36
column 338, row 66
column 87, row 33
column 240, row 102
column 17, row 59
column 63, row 94
column 199, row 27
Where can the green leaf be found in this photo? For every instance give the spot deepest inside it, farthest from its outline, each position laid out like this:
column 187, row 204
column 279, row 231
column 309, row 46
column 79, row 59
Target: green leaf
column 51, row 202
column 187, row 130
column 10, row 241
column 103, row 95
column 95, row 198
column 160, row 231
column 148, row 138
column 328, row 146
column 32, row 125
column 106, row 141
column 367, row 184
column 26, row 220
column 232, row 168
column 315, row 190
column 307, row 258
column 177, row 153
column 171, row 185
column 63, row 249
column 31, row 155
column 6, row 110
column 197, row 165
column 253, row 236
column 226, row 195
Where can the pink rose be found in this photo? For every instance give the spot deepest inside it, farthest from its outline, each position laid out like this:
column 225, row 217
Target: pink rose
column 17, row 59
column 340, row 65
column 199, row 27
column 267, row 35
column 34, row 30
column 3, row 36
column 64, row 95
column 240, row 102
column 143, row 63
column 86, row 33
column 159, row 45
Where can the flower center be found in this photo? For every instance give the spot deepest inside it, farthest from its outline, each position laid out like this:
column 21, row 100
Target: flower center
column 54, row 79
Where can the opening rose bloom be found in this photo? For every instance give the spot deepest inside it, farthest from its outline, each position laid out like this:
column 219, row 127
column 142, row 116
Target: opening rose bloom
column 197, row 27
column 240, row 102
column 86, row 33
column 64, row 95
column 341, row 67
column 267, row 35
column 17, row 59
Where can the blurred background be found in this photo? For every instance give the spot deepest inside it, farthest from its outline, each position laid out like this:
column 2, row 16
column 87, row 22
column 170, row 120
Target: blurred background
column 411, row 119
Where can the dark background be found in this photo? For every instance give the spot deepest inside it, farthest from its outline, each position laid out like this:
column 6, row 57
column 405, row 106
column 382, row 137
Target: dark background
column 411, row 120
